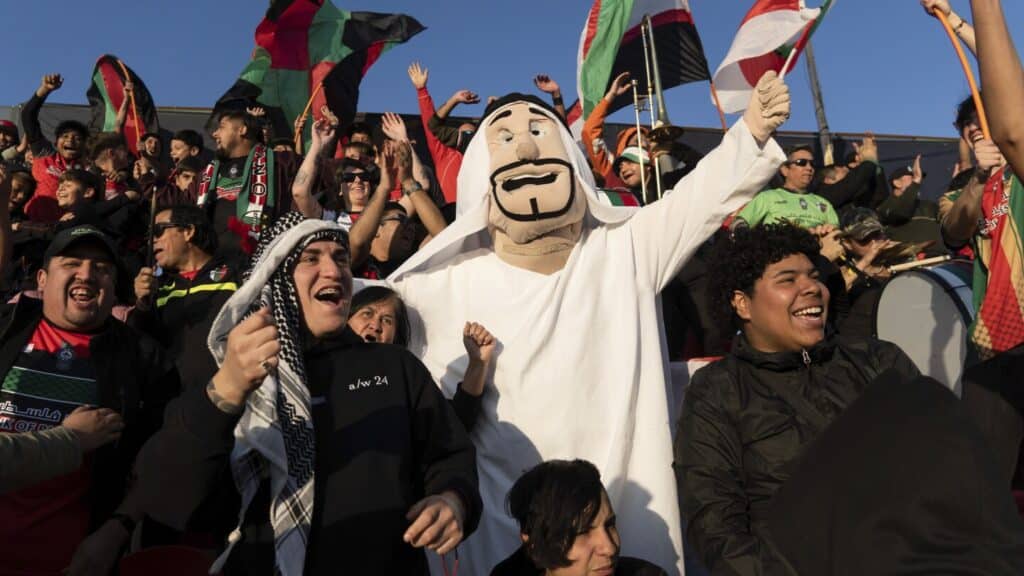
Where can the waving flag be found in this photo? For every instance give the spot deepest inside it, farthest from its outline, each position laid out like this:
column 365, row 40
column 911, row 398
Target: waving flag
column 612, row 43
column 771, row 30
column 301, row 43
column 106, row 93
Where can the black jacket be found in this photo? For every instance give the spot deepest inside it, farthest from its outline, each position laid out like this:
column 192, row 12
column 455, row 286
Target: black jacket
column 133, row 377
column 385, row 438
column 864, row 186
column 519, row 564
column 745, row 422
column 902, row 483
column 183, row 313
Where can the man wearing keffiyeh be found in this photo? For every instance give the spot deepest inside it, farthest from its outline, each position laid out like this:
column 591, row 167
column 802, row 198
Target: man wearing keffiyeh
column 346, row 452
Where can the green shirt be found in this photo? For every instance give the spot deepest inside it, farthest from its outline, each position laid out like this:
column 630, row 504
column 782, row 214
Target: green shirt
column 777, row 205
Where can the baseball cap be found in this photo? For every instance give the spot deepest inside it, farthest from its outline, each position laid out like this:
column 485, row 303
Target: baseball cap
column 633, row 154
column 9, row 127
column 68, row 237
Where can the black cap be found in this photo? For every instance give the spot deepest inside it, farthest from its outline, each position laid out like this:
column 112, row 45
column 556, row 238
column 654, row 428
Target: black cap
column 71, row 236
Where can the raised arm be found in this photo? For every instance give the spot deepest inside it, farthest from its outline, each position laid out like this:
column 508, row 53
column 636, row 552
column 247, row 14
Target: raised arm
column 1003, row 80
column 960, row 221
column 361, row 235
column 302, row 187
column 545, row 84
column 963, row 30
column 30, row 114
column 122, row 112
column 449, row 135
column 666, row 233
column 593, row 126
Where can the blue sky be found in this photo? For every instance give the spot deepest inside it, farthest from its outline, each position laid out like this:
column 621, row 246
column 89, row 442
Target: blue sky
column 884, row 65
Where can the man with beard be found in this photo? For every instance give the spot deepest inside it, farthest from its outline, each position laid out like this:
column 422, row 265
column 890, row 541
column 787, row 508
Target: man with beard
column 58, row 354
column 246, row 187
column 792, row 202
column 49, row 160
column 571, row 286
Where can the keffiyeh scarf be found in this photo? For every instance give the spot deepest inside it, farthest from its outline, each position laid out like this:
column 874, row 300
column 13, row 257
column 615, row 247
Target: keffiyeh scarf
column 274, row 438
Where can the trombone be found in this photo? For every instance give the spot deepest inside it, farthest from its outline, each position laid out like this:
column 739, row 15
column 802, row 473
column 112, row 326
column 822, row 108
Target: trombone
column 662, row 133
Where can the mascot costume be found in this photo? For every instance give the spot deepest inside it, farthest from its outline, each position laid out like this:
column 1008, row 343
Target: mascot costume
column 569, row 287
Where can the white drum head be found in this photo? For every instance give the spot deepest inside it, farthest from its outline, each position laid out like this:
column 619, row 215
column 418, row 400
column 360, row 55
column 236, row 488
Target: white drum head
column 927, row 313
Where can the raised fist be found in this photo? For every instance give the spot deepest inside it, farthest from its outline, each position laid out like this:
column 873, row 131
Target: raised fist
column 769, row 106
column 50, row 83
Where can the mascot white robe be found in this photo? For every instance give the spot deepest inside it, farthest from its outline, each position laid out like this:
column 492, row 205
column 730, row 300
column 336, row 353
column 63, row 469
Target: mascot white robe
column 581, row 371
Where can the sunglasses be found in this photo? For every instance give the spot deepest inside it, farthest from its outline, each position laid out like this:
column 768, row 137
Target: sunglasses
column 160, row 227
column 352, row 176
column 802, row 162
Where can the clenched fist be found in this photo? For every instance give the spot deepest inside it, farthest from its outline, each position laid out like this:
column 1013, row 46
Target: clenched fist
column 769, row 106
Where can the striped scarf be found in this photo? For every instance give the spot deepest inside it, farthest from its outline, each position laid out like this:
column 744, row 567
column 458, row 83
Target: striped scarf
column 256, row 195
column 999, row 267
column 274, row 438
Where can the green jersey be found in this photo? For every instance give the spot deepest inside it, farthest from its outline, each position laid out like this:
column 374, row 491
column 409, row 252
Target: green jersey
column 778, row 205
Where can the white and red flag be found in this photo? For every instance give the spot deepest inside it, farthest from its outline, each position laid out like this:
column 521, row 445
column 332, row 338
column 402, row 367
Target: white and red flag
column 771, row 31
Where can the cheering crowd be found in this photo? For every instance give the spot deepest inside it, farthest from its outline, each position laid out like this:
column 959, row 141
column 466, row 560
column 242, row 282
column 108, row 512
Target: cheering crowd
column 347, row 356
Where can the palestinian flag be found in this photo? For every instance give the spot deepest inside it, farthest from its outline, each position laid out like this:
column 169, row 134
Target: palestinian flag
column 301, row 43
column 106, row 93
column 771, row 30
column 612, row 43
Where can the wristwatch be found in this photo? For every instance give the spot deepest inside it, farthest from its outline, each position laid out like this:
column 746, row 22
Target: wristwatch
column 408, row 189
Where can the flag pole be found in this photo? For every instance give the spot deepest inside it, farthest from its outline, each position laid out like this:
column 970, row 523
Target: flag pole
column 824, row 136
column 721, row 113
column 796, row 49
column 131, row 99
column 305, row 111
column 975, row 94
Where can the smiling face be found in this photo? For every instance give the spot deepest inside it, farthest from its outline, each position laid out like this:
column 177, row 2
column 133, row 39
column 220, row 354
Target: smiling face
column 7, row 139
column 72, row 193
column 787, row 308
column 630, row 173
column 595, row 551
column 323, row 282
column 69, row 144
column 151, row 146
column 533, row 184
column 375, row 322
column 78, row 287
column 355, row 188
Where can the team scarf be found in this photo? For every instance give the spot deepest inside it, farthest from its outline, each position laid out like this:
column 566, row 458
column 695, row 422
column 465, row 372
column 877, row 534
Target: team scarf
column 999, row 267
column 274, row 438
column 258, row 189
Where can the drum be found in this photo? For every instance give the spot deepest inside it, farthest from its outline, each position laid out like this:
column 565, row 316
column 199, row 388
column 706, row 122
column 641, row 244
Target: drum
column 927, row 312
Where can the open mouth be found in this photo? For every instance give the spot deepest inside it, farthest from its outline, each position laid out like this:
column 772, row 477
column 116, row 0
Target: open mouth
column 369, row 337
column 329, row 295
column 811, row 315
column 517, row 182
column 83, row 295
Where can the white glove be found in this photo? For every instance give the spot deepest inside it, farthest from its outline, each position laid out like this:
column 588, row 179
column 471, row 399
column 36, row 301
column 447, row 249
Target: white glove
column 769, row 106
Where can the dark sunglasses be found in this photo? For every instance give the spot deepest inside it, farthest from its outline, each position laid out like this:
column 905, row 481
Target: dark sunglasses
column 802, row 162
column 352, row 176
column 160, row 227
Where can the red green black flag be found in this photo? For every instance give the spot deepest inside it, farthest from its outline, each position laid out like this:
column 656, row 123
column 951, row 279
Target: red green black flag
column 301, row 43
column 106, row 93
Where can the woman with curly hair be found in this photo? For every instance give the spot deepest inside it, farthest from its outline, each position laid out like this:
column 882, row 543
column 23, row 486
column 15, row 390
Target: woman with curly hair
column 748, row 417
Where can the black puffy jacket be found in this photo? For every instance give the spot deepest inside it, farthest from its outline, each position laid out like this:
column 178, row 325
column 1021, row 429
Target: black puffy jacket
column 745, row 422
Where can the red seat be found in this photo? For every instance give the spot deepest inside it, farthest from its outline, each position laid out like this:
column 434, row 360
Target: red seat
column 167, row 561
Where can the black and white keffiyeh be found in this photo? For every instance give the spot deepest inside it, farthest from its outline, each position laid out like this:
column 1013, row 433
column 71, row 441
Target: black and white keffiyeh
column 274, row 438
